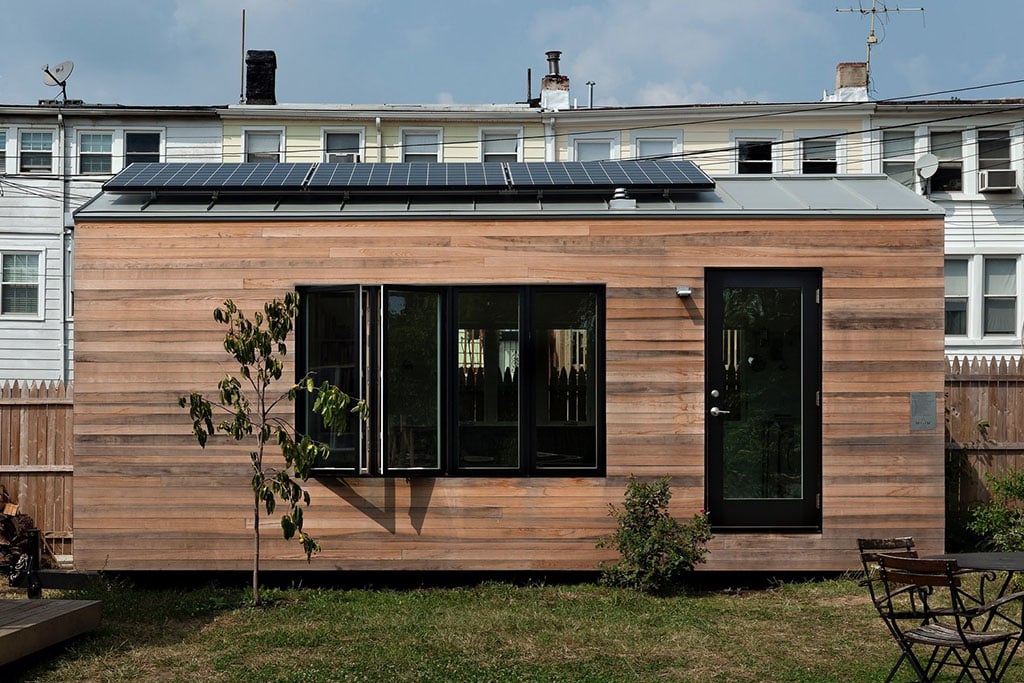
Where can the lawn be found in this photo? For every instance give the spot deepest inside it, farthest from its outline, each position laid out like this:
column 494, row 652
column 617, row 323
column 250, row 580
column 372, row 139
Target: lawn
column 814, row 631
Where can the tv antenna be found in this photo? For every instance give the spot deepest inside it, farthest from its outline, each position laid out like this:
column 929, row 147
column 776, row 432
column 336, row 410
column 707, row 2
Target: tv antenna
column 58, row 75
column 877, row 8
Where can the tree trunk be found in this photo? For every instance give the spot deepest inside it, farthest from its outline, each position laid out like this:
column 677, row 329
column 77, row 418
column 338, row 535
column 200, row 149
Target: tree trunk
column 256, row 554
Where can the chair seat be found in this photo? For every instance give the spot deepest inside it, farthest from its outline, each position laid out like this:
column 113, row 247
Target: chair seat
column 941, row 635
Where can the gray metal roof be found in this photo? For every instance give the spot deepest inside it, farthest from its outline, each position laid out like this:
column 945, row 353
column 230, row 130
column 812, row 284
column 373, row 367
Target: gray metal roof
column 795, row 196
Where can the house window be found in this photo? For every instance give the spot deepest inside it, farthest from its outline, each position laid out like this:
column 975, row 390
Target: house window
column 94, row 153
column 1000, row 294
column 263, row 146
column 754, row 156
column 819, row 156
column 342, row 148
column 655, row 148
column 20, row 284
column 36, row 151
column 141, row 147
column 993, row 150
column 956, row 296
column 421, row 146
column 3, row 152
column 948, row 147
column 475, row 380
column 500, row 145
column 592, row 150
column 898, row 156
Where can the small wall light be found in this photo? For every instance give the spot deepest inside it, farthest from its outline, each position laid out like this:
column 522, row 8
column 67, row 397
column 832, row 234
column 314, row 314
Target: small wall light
column 683, row 291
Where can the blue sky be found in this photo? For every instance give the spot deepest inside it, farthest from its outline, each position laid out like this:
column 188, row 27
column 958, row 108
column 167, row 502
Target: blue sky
column 638, row 52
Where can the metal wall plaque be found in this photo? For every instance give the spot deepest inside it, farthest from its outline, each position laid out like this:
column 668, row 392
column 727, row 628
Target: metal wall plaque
column 922, row 411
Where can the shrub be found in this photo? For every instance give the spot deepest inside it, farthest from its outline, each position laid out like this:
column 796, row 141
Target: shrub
column 1000, row 522
column 656, row 550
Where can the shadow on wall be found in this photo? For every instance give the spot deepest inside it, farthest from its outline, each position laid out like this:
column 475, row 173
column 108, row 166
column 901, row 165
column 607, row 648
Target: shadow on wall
column 375, row 498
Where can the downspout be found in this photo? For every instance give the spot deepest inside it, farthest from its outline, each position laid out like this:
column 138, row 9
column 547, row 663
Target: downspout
column 380, row 142
column 549, row 139
column 63, row 180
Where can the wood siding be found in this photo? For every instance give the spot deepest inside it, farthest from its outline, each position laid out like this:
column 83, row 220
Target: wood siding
column 146, row 496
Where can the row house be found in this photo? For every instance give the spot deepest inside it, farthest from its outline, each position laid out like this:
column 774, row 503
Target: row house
column 966, row 156
column 55, row 156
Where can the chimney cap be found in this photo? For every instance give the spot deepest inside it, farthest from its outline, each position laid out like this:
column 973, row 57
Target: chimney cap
column 553, row 57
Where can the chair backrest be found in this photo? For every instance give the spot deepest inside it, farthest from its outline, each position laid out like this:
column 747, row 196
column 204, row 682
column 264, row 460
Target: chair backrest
column 871, row 548
column 919, row 588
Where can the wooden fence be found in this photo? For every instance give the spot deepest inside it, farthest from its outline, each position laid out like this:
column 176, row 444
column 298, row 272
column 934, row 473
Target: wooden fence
column 36, row 436
column 984, row 426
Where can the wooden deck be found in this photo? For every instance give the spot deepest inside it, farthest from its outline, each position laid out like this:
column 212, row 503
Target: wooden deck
column 27, row 626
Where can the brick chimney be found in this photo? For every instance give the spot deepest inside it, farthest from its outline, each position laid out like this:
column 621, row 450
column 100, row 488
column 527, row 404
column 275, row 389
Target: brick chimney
column 554, row 88
column 260, row 68
column 851, row 83
column 852, row 75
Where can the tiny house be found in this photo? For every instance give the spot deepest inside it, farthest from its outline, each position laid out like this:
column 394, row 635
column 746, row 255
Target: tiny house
column 528, row 336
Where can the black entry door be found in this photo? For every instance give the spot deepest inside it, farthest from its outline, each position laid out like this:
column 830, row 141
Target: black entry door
column 762, row 414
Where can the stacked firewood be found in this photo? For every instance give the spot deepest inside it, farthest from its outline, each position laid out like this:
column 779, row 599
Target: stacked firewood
column 15, row 540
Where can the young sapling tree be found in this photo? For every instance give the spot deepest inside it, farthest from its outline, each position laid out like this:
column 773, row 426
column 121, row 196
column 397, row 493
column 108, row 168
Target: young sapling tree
column 249, row 403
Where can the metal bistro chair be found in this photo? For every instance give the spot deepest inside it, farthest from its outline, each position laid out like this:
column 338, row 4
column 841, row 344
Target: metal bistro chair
column 933, row 620
column 870, row 550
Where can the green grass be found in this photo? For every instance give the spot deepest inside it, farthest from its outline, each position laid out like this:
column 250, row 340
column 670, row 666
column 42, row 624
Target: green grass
column 814, row 632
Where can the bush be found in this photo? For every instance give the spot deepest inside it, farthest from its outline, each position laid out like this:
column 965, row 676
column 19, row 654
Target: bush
column 656, row 550
column 1000, row 522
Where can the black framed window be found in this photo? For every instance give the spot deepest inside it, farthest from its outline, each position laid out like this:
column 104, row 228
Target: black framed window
column 473, row 380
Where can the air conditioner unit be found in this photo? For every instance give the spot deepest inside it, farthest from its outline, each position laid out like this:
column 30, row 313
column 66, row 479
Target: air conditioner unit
column 343, row 158
column 1003, row 180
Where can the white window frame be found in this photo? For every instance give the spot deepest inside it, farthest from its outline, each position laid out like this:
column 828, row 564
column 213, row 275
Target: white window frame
column 4, row 137
column 121, row 144
column 53, row 150
column 976, row 300
column 773, row 137
column 79, row 151
column 905, row 161
column 675, row 136
column 961, row 160
column 40, row 284
column 349, row 130
column 612, row 140
column 838, row 137
column 263, row 132
column 438, row 132
column 510, row 133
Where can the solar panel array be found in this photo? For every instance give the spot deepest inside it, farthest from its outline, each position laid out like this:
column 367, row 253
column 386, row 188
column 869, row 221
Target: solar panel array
column 434, row 178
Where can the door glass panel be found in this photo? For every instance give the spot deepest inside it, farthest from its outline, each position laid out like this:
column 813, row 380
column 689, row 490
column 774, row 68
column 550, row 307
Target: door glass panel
column 412, row 379
column 762, row 392
column 488, row 379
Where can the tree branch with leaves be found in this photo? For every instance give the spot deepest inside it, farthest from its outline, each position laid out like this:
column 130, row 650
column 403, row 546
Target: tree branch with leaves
column 248, row 403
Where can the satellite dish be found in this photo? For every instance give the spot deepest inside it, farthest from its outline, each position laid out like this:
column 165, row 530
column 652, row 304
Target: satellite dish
column 926, row 165
column 57, row 75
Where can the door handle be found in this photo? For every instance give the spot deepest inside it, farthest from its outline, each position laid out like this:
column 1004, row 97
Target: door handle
column 716, row 411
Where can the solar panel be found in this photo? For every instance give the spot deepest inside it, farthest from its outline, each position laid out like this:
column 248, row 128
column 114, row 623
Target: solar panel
column 203, row 176
column 603, row 175
column 416, row 177
column 408, row 176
